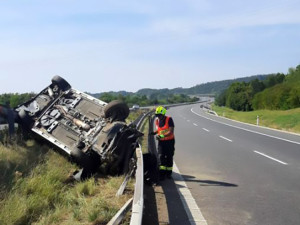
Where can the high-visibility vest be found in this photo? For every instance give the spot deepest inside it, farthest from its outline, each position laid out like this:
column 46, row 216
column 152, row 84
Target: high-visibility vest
column 163, row 130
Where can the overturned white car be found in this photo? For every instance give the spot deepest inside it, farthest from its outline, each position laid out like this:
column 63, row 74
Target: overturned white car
column 93, row 133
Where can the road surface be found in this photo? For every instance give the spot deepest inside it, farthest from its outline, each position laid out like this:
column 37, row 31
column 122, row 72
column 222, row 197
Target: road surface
column 237, row 173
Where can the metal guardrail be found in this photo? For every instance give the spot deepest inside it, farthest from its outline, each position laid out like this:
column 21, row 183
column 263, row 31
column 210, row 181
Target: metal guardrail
column 6, row 126
column 3, row 126
column 117, row 219
column 138, row 198
column 178, row 104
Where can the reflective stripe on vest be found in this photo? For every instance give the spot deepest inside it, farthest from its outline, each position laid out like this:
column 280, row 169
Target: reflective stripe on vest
column 162, row 168
column 163, row 130
column 169, row 168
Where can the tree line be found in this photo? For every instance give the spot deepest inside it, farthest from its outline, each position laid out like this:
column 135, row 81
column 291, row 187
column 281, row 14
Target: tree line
column 143, row 100
column 277, row 92
column 14, row 99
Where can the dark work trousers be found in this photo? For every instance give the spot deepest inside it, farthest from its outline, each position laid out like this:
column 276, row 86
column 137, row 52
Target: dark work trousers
column 166, row 151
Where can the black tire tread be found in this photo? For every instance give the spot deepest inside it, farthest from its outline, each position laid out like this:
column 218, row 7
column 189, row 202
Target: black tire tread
column 61, row 83
column 117, row 110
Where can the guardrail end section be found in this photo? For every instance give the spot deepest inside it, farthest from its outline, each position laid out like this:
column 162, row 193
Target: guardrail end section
column 117, row 219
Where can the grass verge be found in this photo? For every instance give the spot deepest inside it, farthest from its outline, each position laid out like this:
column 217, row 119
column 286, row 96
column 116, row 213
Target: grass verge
column 287, row 120
column 36, row 189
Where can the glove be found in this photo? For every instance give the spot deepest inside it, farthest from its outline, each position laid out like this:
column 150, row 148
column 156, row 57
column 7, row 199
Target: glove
column 152, row 133
column 158, row 137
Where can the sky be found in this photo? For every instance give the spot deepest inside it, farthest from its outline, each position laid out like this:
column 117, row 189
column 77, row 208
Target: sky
column 100, row 46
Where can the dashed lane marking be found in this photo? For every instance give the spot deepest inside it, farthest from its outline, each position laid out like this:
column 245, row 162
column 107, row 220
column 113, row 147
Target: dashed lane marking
column 225, row 138
column 205, row 129
column 252, row 131
column 195, row 124
column 284, row 163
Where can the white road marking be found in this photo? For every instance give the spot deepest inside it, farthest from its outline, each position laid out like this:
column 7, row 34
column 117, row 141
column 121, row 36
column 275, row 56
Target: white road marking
column 270, row 157
column 255, row 132
column 225, row 138
column 191, row 208
column 195, row 124
column 205, row 129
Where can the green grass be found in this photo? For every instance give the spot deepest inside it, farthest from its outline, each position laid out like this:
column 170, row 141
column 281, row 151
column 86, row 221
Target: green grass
column 287, row 120
column 144, row 128
column 36, row 189
column 134, row 114
column 18, row 159
column 144, row 139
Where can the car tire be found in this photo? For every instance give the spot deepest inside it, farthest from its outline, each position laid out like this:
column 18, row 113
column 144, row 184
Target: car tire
column 117, row 110
column 61, row 83
column 24, row 119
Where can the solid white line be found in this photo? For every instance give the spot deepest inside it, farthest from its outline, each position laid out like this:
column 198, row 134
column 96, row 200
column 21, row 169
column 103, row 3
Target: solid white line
column 195, row 124
column 225, row 138
column 256, row 132
column 205, row 129
column 191, row 208
column 270, row 157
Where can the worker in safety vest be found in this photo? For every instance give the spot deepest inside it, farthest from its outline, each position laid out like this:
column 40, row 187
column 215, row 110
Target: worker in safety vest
column 166, row 142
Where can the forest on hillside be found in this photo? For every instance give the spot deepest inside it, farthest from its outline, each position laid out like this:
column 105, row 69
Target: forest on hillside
column 14, row 99
column 214, row 87
column 147, row 96
column 278, row 92
column 143, row 100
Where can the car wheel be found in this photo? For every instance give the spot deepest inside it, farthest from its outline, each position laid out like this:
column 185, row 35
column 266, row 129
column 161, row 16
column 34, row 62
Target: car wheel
column 61, row 83
column 117, row 110
column 24, row 119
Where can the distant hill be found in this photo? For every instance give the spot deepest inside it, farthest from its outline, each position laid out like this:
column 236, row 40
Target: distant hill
column 215, row 87
column 124, row 93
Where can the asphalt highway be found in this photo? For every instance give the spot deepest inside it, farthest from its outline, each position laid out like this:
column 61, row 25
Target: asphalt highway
column 237, row 173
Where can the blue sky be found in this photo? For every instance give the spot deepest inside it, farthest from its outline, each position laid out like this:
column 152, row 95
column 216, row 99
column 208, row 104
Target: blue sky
column 127, row 45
